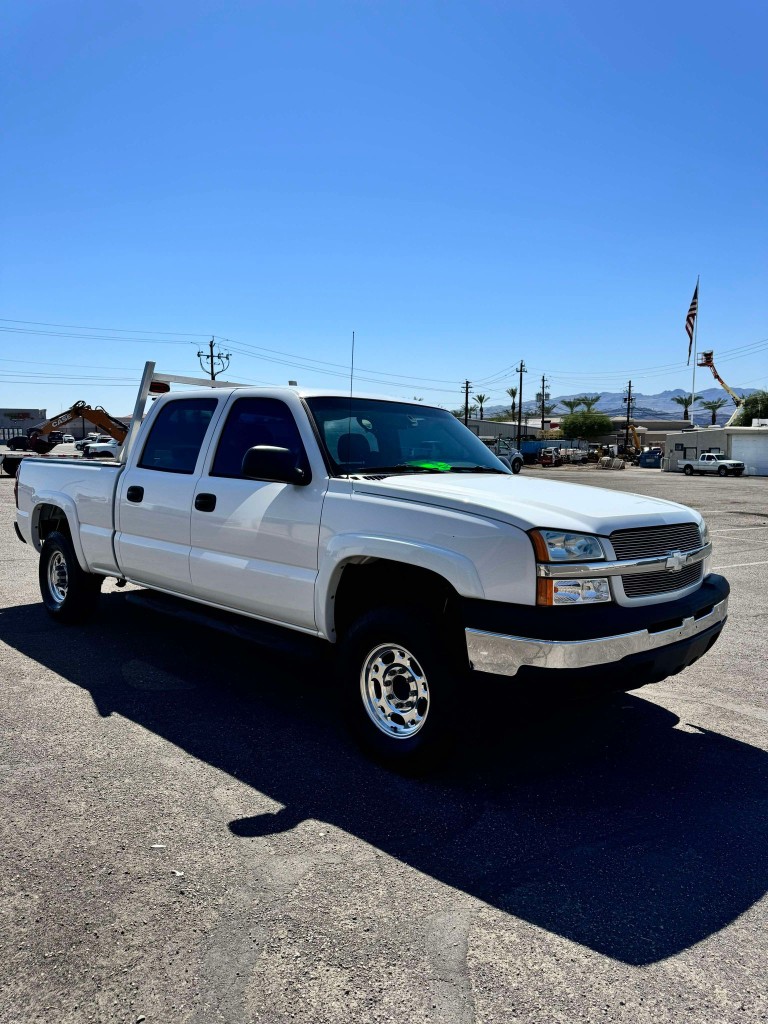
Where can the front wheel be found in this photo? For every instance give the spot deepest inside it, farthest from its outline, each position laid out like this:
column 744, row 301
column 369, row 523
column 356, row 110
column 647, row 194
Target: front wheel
column 400, row 683
column 69, row 594
column 722, row 471
column 688, row 470
column 517, row 465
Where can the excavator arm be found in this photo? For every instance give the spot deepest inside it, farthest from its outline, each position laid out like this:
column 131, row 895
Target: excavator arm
column 98, row 417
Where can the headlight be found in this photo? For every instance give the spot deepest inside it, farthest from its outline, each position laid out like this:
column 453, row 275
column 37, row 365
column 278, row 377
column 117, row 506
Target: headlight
column 704, row 531
column 553, row 546
column 559, row 546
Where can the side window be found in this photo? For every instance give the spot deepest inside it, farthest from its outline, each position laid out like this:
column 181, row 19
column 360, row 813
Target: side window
column 177, row 434
column 252, row 422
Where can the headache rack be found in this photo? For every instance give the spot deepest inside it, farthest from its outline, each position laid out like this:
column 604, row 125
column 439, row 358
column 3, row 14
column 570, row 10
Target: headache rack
column 153, row 383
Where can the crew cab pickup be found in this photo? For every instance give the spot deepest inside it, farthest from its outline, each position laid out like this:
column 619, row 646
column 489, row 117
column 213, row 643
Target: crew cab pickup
column 389, row 530
column 711, row 462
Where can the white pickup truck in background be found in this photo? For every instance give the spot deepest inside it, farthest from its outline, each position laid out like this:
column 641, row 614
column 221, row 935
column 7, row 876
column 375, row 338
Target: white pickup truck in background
column 387, row 529
column 711, row 462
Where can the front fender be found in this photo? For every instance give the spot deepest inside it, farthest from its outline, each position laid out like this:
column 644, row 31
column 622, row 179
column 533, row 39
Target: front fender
column 455, row 568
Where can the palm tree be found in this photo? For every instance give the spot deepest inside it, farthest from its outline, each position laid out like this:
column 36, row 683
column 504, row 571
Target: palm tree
column 512, row 392
column 686, row 401
column 589, row 402
column 571, row 404
column 548, row 408
column 481, row 400
column 714, row 407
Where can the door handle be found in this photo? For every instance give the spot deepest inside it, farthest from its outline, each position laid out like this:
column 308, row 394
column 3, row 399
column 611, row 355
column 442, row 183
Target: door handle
column 135, row 494
column 205, row 502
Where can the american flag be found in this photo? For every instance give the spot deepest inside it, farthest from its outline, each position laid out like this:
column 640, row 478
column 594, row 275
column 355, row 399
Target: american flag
column 690, row 320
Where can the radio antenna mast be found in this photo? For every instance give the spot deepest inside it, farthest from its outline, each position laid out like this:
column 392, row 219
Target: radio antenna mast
column 352, row 369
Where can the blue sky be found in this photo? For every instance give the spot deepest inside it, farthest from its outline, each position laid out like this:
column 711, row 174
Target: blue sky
column 462, row 184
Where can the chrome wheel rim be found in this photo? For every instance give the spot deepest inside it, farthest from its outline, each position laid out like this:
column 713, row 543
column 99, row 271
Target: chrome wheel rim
column 395, row 691
column 58, row 577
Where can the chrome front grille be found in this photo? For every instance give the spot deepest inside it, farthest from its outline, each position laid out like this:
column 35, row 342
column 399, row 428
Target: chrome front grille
column 654, row 541
column 647, row 583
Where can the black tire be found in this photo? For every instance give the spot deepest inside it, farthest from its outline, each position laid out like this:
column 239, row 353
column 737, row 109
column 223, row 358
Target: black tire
column 722, row 471
column 69, row 594
column 517, row 465
column 688, row 470
column 410, row 723
column 11, row 465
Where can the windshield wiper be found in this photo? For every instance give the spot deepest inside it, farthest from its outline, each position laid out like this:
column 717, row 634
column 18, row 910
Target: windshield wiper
column 400, row 468
column 478, row 469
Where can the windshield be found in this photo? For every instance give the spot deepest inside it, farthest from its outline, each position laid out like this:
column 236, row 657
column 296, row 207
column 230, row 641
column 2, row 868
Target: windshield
column 369, row 436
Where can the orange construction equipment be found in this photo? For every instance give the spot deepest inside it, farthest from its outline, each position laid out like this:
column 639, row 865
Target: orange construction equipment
column 707, row 359
column 98, row 417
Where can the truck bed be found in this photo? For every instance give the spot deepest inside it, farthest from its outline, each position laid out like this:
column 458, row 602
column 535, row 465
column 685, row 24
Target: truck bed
column 86, row 491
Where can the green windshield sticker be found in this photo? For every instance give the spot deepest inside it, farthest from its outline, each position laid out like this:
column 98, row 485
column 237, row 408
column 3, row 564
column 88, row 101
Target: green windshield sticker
column 442, row 467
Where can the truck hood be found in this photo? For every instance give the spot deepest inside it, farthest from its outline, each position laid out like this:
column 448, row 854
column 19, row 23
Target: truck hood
column 526, row 503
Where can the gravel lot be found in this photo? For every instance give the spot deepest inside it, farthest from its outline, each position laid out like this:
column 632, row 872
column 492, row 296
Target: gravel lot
column 188, row 835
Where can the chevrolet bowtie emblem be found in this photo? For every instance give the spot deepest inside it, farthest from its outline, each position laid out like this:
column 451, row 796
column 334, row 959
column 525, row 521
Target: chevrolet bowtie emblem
column 676, row 560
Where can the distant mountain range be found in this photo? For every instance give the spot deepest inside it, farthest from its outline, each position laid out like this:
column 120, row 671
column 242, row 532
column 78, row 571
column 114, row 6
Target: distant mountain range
column 645, row 407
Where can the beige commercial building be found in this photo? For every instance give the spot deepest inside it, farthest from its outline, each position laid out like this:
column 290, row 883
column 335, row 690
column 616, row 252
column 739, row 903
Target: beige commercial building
column 747, row 444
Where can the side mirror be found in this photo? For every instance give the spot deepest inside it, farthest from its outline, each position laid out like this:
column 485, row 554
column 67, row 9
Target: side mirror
column 277, row 465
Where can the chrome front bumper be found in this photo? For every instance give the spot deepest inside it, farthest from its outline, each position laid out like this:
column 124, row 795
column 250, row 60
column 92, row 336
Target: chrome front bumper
column 503, row 654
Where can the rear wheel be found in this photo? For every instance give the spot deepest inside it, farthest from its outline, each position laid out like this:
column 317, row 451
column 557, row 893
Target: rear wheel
column 688, row 470
column 401, row 681
column 69, row 594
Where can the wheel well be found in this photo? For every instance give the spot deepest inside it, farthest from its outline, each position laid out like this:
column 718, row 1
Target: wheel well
column 51, row 519
column 375, row 584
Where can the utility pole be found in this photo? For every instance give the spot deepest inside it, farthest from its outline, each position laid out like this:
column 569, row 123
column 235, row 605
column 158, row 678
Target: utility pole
column 544, row 396
column 629, row 400
column 467, row 386
column 521, row 370
column 214, row 359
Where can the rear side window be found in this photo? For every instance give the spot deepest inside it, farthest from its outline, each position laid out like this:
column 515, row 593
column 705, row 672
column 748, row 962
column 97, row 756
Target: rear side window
column 252, row 422
column 177, row 434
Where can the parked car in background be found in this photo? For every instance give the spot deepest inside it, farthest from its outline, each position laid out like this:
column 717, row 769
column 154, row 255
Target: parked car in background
column 550, row 457
column 19, row 443
column 105, row 447
column 511, row 457
column 88, row 439
column 712, row 462
column 68, row 439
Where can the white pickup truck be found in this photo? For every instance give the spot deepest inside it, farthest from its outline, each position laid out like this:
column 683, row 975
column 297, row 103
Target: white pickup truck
column 711, row 462
column 389, row 530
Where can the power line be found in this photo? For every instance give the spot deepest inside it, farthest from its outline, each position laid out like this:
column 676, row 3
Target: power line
column 339, row 370
column 113, row 330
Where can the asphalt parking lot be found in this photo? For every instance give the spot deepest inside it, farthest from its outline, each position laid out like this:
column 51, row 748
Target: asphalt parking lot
column 188, row 835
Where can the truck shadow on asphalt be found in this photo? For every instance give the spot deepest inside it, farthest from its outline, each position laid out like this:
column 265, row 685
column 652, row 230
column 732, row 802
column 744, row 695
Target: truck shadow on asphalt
column 614, row 825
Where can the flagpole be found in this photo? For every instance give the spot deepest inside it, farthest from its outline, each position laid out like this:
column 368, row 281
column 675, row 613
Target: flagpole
column 695, row 344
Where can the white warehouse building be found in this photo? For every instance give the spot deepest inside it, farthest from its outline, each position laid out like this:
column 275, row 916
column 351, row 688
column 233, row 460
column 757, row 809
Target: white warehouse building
column 747, row 444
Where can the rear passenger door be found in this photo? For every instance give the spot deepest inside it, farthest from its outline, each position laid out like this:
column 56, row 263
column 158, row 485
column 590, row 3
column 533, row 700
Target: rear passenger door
column 156, row 491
